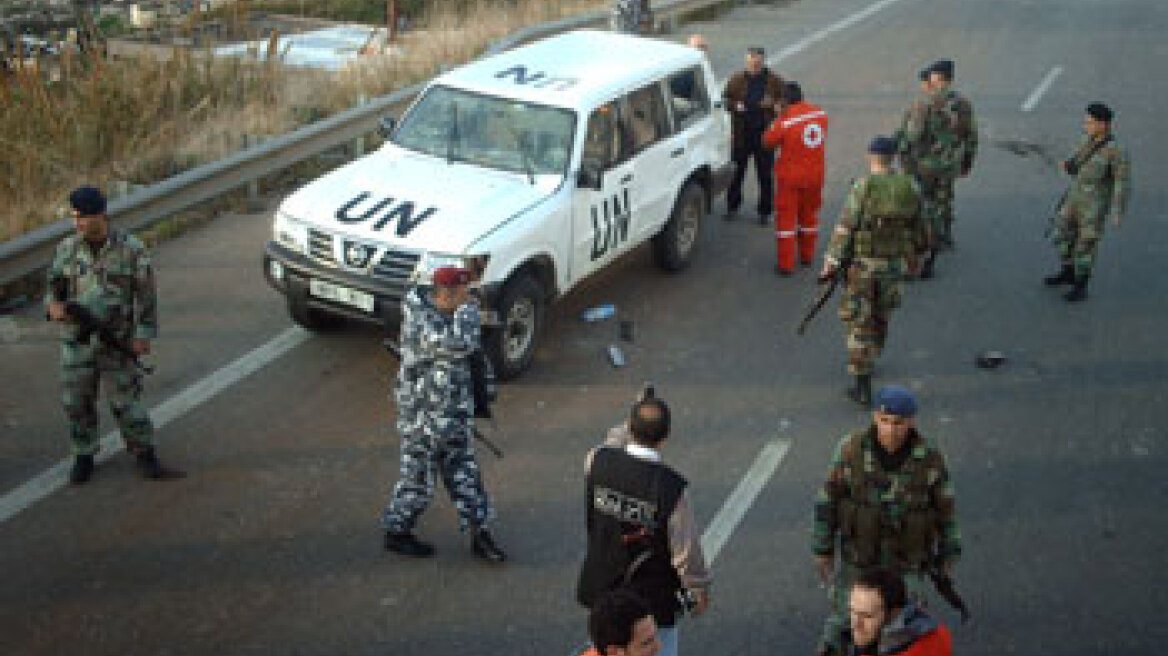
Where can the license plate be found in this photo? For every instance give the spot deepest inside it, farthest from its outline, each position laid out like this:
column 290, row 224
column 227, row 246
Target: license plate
column 343, row 295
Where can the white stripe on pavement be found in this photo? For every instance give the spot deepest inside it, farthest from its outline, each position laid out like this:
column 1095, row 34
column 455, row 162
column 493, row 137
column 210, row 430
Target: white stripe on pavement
column 57, row 476
column 819, row 35
column 732, row 512
column 1036, row 95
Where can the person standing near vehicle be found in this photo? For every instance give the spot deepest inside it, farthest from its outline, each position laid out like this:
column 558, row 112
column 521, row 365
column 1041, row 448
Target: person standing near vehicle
column 435, row 415
column 752, row 97
column 799, row 135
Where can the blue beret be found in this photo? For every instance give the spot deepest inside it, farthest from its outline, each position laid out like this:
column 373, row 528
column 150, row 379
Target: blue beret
column 88, row 201
column 1100, row 112
column 896, row 400
column 882, row 145
column 943, row 66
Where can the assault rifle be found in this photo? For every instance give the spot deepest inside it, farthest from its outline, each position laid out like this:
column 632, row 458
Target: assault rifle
column 946, row 588
column 829, row 285
column 89, row 325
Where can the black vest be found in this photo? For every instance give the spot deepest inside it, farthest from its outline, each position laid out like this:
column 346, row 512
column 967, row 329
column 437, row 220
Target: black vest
column 630, row 501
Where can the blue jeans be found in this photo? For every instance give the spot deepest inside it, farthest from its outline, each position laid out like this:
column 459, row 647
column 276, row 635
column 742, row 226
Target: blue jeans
column 668, row 637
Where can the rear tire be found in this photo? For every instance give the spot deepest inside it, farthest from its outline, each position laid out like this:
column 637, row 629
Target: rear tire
column 674, row 245
column 511, row 345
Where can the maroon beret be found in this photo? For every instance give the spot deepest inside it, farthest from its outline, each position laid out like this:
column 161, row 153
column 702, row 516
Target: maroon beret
column 451, row 276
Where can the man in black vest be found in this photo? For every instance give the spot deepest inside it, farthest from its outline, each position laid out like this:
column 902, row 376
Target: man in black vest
column 641, row 529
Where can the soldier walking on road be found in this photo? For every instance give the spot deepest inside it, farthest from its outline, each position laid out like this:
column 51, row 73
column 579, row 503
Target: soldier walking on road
column 106, row 273
column 941, row 136
column 752, row 97
column 435, row 415
column 1099, row 191
column 887, row 502
column 877, row 241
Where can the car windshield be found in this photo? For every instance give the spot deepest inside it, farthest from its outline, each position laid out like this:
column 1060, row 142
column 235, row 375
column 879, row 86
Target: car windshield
column 497, row 133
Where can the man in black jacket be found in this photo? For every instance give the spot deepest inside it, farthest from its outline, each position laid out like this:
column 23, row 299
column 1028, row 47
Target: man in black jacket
column 641, row 529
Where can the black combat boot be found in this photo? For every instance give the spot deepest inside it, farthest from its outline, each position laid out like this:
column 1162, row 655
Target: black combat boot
column 407, row 545
column 927, row 269
column 1065, row 276
column 483, row 546
column 151, row 468
column 1078, row 292
column 82, row 470
column 861, row 392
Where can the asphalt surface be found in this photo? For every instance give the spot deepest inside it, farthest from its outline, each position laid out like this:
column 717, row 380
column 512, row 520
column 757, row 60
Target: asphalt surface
column 271, row 546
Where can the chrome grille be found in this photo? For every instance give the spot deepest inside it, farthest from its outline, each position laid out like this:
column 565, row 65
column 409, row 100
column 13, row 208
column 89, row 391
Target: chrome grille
column 396, row 267
column 320, row 245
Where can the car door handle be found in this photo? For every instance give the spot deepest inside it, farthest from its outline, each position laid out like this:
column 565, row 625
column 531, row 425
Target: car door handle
column 627, row 179
column 678, row 152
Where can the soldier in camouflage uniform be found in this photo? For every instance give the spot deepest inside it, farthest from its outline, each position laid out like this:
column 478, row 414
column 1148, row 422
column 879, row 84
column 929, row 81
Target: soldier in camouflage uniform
column 435, row 415
column 887, row 502
column 108, row 273
column 1100, row 190
column 939, row 144
column 877, row 241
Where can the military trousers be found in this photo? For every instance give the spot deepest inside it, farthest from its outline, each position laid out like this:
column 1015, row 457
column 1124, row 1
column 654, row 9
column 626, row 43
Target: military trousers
column 83, row 368
column 871, row 293
column 1077, row 240
column 840, row 593
column 441, row 447
column 937, row 206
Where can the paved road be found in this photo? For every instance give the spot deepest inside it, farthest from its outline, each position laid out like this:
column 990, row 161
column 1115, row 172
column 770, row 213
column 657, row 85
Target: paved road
column 271, row 546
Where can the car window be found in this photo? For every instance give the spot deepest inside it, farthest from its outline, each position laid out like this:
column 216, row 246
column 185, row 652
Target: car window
column 488, row 131
column 603, row 141
column 688, row 97
column 644, row 120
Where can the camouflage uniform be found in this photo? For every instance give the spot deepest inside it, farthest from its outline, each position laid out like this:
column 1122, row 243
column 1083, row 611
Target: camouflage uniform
column 116, row 284
column 880, row 230
column 435, row 414
column 902, row 520
column 631, row 16
column 1099, row 191
column 939, row 142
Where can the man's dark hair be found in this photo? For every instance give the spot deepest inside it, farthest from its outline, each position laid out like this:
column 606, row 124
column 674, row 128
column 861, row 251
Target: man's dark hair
column 888, row 585
column 756, row 50
column 792, row 92
column 649, row 421
column 612, row 618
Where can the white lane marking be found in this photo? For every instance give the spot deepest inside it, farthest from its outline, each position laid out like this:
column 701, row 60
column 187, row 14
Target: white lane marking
column 1036, row 95
column 740, row 500
column 57, row 476
column 842, row 24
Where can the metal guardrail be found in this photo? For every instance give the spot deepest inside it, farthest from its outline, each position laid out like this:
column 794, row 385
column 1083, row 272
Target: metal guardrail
column 31, row 252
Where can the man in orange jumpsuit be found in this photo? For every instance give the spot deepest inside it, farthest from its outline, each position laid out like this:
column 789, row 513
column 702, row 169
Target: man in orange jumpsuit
column 800, row 135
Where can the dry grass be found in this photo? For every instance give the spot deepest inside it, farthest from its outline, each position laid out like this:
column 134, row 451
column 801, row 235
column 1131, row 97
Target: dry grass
column 142, row 119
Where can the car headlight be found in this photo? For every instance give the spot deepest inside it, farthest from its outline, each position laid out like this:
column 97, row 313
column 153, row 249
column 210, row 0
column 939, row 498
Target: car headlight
column 289, row 232
column 428, row 263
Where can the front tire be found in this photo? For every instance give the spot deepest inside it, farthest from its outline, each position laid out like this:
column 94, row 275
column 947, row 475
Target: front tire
column 511, row 345
column 674, row 245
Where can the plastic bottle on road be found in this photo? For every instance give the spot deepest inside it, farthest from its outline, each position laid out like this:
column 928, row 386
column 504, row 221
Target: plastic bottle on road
column 599, row 313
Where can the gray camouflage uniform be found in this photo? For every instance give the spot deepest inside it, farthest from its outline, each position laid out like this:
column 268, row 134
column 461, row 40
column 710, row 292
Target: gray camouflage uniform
column 435, row 414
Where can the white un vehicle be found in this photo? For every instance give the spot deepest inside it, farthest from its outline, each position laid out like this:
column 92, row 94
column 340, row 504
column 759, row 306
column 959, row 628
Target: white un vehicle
column 546, row 163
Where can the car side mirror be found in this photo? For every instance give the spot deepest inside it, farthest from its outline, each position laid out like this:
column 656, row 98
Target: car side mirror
column 385, row 126
column 589, row 177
